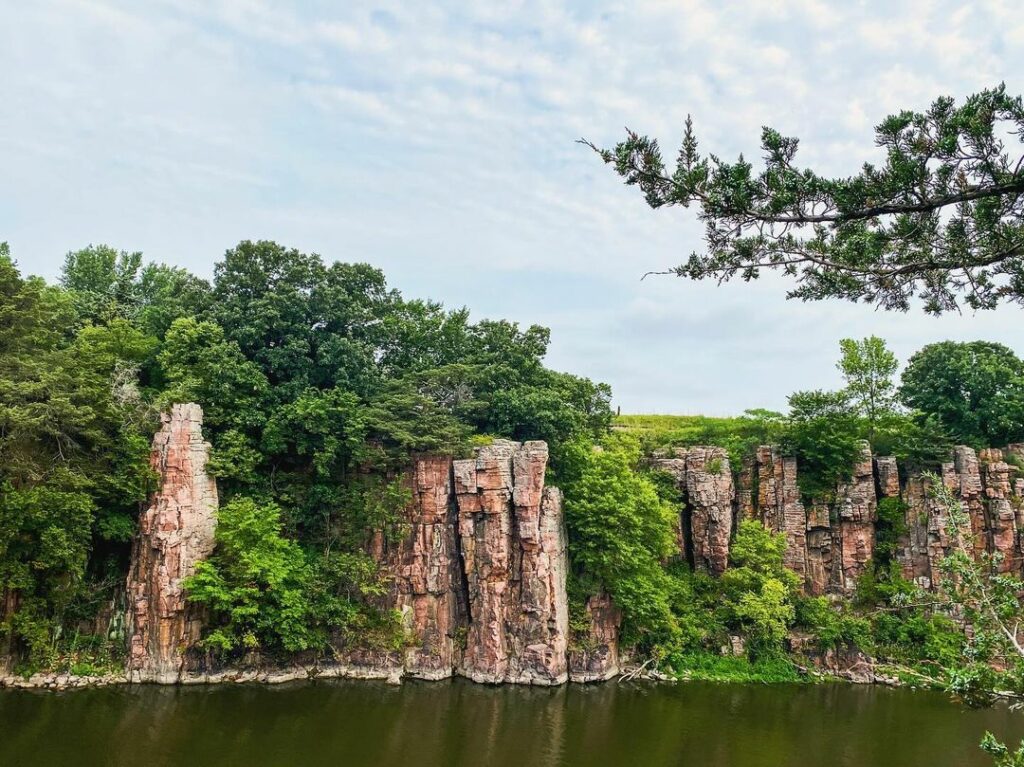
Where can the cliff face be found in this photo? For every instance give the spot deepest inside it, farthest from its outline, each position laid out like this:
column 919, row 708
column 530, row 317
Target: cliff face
column 478, row 574
column 705, row 481
column 832, row 542
column 514, row 561
column 175, row 532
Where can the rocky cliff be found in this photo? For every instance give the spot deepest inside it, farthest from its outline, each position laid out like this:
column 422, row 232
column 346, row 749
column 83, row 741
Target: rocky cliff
column 479, row 570
column 831, row 541
column 175, row 532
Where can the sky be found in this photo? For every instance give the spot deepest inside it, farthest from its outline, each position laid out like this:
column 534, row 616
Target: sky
column 437, row 141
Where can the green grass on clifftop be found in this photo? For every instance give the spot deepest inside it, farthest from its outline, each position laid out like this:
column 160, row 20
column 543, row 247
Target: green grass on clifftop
column 737, row 434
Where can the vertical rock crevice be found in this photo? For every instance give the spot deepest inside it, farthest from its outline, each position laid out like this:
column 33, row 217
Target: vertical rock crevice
column 705, row 481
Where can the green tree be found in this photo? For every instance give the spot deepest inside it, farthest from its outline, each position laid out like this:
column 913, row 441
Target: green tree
column 103, row 282
column 73, row 458
column 619, row 532
column 823, row 432
column 759, row 590
column 267, row 594
column 975, row 390
column 868, row 368
column 940, row 218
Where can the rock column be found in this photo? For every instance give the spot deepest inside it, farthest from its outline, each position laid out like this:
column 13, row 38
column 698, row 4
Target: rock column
column 856, row 510
column 176, row 531
column 426, row 582
column 514, row 561
column 705, row 481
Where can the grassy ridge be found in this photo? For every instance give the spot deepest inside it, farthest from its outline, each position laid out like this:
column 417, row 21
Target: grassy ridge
column 737, row 434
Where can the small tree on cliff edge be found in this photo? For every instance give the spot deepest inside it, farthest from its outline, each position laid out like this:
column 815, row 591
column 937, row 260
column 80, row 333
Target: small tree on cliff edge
column 868, row 368
column 942, row 218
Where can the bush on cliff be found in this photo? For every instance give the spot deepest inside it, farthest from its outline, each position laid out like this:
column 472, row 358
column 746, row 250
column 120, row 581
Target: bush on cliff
column 265, row 593
column 620, row 531
column 758, row 591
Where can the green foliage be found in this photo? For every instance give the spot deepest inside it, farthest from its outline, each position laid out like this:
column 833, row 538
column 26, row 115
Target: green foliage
column 73, row 458
column 975, row 390
column 265, row 593
column 759, row 592
column 318, row 383
column 709, row 667
column 620, row 530
column 1001, row 755
column 832, row 627
column 868, row 368
column 940, row 219
column 738, row 435
column 824, row 433
column 891, row 526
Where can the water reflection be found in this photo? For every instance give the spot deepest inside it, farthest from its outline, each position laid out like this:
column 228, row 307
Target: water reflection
column 459, row 723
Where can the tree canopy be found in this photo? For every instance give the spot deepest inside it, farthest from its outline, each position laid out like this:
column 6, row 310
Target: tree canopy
column 317, row 381
column 975, row 390
column 941, row 218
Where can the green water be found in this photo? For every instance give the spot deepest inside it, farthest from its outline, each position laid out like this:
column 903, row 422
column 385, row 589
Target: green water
column 449, row 724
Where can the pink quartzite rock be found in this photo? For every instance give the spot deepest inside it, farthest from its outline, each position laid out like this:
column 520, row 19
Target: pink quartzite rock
column 514, row 562
column 704, row 478
column 425, row 574
column 938, row 538
column 856, row 510
column 779, row 506
column 176, row 532
column 1000, row 516
column 745, row 507
column 595, row 657
column 820, row 549
column 913, row 553
column 969, row 490
column 888, row 475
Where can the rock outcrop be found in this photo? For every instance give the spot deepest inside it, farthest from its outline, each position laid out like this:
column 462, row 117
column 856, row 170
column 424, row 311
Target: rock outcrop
column 856, row 512
column 778, row 504
column 477, row 568
column 514, row 560
column 423, row 566
column 594, row 657
column 176, row 531
column 705, row 482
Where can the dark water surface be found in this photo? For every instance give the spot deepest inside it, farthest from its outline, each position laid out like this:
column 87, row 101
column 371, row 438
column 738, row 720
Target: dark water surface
column 451, row 724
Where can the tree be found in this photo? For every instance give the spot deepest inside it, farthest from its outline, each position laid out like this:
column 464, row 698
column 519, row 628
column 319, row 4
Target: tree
column 941, row 218
column 619, row 531
column 759, row 591
column 266, row 593
column 73, row 459
column 975, row 390
column 103, row 281
column 823, row 433
column 868, row 368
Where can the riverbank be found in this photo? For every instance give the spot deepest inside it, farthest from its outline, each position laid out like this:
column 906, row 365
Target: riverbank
column 693, row 668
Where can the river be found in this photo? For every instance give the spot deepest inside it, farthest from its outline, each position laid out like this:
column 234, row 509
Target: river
column 457, row 723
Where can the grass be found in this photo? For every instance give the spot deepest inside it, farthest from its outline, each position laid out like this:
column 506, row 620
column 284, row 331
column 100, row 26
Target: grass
column 708, row 667
column 737, row 434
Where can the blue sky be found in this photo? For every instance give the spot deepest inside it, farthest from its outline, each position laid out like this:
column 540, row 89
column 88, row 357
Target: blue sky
column 436, row 140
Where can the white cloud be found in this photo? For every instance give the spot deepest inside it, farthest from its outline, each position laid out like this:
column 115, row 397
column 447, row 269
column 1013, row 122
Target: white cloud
column 436, row 139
